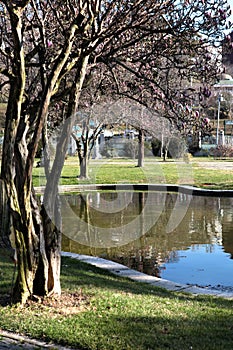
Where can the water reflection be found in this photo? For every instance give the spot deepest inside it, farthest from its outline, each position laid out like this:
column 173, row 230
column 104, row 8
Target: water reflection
column 174, row 236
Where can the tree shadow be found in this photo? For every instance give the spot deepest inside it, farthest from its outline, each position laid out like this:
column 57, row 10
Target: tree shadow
column 144, row 333
column 80, row 274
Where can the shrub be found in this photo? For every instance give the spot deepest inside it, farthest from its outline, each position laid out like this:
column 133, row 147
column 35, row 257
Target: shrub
column 156, row 147
column 222, row 151
column 176, row 147
column 131, row 148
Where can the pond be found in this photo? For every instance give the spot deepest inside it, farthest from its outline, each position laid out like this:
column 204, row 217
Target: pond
column 179, row 237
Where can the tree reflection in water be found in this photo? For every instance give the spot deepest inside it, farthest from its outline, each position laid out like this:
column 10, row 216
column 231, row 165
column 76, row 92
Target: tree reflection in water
column 132, row 228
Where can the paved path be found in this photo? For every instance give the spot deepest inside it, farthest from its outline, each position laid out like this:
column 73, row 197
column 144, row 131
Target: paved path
column 11, row 341
column 217, row 165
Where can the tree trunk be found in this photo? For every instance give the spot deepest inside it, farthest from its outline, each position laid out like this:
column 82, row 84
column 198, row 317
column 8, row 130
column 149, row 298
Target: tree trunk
column 16, row 177
column 51, row 213
column 52, row 232
column 51, row 208
column 82, row 156
column 140, row 148
column 164, row 152
column 83, row 169
column 31, row 234
column 5, row 220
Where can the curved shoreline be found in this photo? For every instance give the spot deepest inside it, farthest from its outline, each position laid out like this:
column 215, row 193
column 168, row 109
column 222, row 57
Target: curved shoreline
column 185, row 189
column 124, row 271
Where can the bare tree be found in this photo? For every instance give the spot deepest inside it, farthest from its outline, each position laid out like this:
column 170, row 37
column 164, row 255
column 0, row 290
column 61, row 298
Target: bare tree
column 34, row 73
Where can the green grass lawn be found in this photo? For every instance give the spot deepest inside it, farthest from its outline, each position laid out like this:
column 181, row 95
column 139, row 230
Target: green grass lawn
column 154, row 171
column 102, row 311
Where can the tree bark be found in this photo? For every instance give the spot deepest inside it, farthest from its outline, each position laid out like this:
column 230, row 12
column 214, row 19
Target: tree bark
column 83, row 168
column 5, row 219
column 51, row 208
column 33, row 233
column 18, row 181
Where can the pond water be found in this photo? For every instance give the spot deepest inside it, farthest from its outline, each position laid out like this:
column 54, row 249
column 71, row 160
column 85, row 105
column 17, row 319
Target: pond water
column 179, row 237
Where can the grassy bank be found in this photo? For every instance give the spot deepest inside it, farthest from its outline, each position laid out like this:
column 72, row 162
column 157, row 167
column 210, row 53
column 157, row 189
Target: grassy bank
column 154, row 171
column 101, row 311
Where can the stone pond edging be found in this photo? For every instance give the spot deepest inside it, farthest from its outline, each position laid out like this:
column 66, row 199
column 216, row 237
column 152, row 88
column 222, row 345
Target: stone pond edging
column 124, row 271
column 185, row 189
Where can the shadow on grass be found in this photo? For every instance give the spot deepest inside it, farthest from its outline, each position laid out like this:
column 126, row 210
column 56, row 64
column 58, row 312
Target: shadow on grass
column 79, row 274
column 161, row 333
column 127, row 315
column 61, row 177
column 76, row 275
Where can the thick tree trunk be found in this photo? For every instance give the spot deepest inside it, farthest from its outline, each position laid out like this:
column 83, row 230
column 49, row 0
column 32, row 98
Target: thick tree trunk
column 16, row 178
column 30, row 255
column 37, row 232
column 27, row 234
